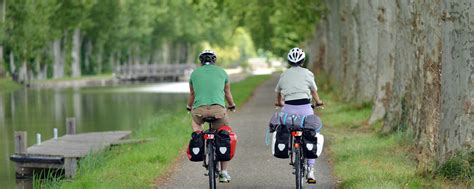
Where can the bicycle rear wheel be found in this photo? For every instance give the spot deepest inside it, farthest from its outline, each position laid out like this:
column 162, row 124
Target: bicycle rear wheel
column 211, row 166
column 298, row 168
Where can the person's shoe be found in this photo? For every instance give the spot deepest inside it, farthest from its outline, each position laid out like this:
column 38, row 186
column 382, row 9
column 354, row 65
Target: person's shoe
column 310, row 178
column 224, row 177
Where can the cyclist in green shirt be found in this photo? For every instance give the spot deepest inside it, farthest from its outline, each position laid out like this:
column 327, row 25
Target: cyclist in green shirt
column 209, row 89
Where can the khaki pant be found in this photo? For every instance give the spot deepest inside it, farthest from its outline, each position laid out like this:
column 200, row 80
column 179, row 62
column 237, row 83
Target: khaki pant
column 216, row 111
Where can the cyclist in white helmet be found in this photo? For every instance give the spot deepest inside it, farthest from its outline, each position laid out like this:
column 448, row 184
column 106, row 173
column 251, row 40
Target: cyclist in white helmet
column 296, row 88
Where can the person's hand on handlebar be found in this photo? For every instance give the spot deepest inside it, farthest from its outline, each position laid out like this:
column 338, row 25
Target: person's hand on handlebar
column 279, row 103
column 231, row 108
column 319, row 104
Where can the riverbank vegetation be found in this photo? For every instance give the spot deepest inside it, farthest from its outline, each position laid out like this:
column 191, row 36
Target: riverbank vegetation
column 8, row 85
column 362, row 156
column 138, row 165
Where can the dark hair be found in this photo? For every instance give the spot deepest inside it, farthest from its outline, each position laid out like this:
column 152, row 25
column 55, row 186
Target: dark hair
column 299, row 63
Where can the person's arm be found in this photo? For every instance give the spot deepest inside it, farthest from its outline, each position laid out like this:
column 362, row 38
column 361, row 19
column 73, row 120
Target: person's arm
column 279, row 99
column 228, row 96
column 315, row 95
column 189, row 106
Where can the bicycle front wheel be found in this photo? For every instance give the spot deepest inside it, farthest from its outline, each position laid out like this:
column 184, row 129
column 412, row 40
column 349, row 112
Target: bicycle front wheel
column 298, row 168
column 211, row 166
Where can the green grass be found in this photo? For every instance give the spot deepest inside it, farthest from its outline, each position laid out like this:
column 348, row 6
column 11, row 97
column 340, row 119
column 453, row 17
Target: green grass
column 139, row 165
column 8, row 85
column 459, row 168
column 363, row 158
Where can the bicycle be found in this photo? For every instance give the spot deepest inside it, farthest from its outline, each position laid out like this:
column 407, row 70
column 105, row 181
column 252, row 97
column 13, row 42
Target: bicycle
column 210, row 162
column 297, row 159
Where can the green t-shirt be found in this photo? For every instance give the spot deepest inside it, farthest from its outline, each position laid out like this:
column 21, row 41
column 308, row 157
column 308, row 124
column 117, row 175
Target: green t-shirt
column 208, row 82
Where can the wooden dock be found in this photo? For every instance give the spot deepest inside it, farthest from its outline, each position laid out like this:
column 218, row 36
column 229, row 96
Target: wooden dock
column 62, row 152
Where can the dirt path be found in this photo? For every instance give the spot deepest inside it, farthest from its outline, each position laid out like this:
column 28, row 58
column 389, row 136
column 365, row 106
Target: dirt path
column 253, row 165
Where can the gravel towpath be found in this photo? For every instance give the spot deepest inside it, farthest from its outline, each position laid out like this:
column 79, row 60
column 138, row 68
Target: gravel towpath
column 253, row 165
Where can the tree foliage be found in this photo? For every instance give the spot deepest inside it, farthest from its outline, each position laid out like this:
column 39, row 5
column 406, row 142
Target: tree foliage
column 276, row 25
column 128, row 31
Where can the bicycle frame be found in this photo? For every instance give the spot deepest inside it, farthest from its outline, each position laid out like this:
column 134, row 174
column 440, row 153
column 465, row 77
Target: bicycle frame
column 296, row 157
column 210, row 162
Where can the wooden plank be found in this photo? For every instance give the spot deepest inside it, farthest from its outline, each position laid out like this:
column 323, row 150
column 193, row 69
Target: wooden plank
column 71, row 126
column 20, row 142
column 79, row 145
column 70, row 167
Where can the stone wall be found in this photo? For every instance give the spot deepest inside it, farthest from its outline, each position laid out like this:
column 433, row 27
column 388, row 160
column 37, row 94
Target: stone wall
column 414, row 59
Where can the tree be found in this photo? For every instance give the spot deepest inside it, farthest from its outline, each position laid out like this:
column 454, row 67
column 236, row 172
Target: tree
column 28, row 31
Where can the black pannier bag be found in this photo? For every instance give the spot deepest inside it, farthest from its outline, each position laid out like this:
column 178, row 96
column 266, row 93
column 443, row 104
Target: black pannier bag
column 310, row 141
column 196, row 147
column 223, row 151
column 281, row 142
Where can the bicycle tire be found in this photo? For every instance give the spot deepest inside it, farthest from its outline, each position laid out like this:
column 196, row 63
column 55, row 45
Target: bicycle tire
column 211, row 166
column 298, row 166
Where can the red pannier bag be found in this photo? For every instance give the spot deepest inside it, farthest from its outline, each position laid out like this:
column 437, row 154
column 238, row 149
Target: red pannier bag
column 226, row 142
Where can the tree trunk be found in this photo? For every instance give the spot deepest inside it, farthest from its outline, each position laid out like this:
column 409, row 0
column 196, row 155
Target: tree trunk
column 2, row 63
column 166, row 53
column 190, row 54
column 99, row 61
column 385, row 61
column 130, row 57
column 23, row 74
column 156, row 59
column 12, row 66
column 76, row 53
column 178, row 50
column 58, row 60
column 118, row 59
column 2, row 14
column 112, row 64
column 88, row 57
column 423, row 69
column 37, row 76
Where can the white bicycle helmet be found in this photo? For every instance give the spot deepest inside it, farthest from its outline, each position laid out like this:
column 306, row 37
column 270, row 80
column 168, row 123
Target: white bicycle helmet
column 207, row 57
column 296, row 55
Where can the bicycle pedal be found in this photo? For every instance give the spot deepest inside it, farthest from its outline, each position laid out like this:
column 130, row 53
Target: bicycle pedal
column 311, row 181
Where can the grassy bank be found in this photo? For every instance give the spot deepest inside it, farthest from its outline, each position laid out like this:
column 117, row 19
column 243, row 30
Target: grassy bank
column 362, row 157
column 8, row 85
column 138, row 165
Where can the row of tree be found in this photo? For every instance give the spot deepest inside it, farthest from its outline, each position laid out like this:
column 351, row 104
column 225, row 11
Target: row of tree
column 62, row 38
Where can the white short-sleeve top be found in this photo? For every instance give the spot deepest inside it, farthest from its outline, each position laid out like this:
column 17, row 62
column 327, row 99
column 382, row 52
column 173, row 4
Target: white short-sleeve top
column 296, row 83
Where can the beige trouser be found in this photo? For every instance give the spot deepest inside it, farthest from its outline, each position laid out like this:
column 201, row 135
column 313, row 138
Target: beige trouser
column 216, row 111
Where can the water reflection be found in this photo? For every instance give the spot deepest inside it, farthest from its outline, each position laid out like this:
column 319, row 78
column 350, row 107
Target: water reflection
column 95, row 109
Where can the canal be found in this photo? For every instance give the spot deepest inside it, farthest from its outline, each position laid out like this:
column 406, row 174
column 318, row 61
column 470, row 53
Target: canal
column 96, row 109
